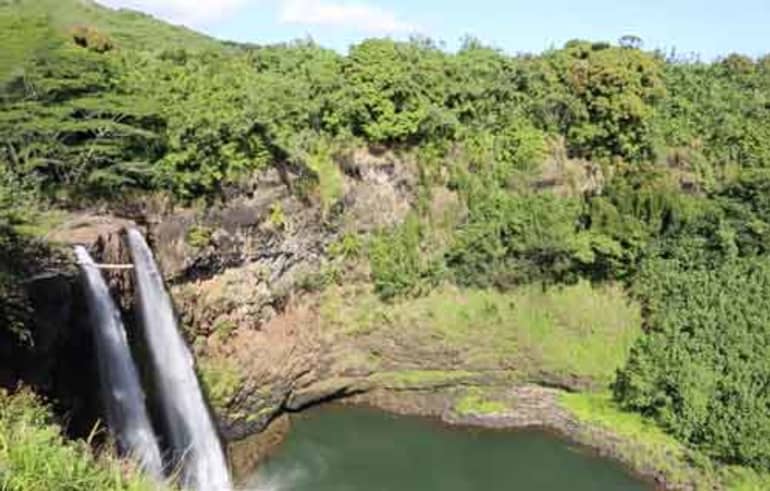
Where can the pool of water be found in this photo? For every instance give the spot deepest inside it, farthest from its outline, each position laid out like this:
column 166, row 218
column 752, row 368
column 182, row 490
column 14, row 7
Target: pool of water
column 355, row 449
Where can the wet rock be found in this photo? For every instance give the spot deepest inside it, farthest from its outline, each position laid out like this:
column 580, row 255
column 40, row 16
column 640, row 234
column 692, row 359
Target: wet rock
column 334, row 388
column 245, row 454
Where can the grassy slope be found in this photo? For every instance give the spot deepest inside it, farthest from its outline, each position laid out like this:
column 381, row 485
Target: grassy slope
column 35, row 457
column 575, row 332
column 578, row 330
column 646, row 445
column 126, row 28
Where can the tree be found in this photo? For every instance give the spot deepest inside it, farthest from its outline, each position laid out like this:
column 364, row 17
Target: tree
column 631, row 41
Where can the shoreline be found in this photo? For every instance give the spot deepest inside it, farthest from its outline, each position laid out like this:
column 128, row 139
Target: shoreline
column 518, row 408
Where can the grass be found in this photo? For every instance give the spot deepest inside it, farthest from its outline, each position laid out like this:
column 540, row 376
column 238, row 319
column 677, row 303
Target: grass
column 575, row 331
column 330, row 180
column 646, row 445
column 221, row 381
column 34, row 456
column 476, row 401
column 421, row 378
column 128, row 29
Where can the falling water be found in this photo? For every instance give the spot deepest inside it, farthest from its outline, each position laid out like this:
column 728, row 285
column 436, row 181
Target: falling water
column 121, row 392
column 190, row 427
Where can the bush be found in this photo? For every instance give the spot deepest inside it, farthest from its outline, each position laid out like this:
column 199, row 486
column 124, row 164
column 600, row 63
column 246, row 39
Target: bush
column 511, row 239
column 399, row 266
column 88, row 37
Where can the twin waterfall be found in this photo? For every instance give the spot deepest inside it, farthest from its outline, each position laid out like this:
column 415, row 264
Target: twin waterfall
column 196, row 451
column 122, row 394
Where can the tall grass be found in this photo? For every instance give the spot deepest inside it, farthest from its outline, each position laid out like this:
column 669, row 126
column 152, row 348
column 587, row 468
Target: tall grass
column 34, row 456
column 572, row 331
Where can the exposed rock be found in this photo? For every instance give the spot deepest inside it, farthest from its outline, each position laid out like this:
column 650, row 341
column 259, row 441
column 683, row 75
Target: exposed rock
column 568, row 177
column 334, row 388
column 244, row 455
column 281, row 357
column 91, row 231
column 379, row 190
column 193, row 244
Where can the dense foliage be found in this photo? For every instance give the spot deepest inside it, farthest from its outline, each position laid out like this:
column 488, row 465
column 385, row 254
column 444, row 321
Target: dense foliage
column 92, row 106
column 704, row 368
column 594, row 160
column 36, row 457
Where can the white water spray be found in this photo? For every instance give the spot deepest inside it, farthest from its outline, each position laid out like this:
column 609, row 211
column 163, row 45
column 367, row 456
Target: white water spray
column 190, row 427
column 122, row 394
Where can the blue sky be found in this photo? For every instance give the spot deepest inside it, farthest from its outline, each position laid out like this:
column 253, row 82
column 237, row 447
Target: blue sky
column 709, row 28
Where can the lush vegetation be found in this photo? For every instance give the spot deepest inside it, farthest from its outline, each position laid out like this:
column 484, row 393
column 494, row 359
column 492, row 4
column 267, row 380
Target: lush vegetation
column 592, row 162
column 703, row 368
column 34, row 456
column 574, row 335
column 644, row 445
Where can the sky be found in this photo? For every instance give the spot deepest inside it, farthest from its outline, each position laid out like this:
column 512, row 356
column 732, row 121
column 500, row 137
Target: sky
column 708, row 28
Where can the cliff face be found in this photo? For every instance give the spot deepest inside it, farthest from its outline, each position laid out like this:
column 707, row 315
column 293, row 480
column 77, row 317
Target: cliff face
column 272, row 327
column 244, row 273
column 55, row 352
column 238, row 272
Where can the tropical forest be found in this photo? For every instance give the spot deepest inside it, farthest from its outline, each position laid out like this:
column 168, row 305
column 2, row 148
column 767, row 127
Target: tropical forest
column 230, row 265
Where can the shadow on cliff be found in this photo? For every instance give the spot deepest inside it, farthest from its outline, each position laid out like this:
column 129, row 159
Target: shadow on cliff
column 45, row 340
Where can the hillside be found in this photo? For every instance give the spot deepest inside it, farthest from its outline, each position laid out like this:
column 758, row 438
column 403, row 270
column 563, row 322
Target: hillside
column 126, row 28
column 25, row 23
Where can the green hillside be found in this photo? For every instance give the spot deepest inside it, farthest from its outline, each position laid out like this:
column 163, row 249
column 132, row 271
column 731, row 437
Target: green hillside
column 128, row 29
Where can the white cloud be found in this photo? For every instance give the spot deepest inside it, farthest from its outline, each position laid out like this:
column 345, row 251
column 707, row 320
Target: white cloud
column 190, row 12
column 359, row 16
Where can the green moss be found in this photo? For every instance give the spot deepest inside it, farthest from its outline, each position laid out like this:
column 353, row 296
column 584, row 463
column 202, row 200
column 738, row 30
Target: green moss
column 223, row 329
column 277, row 217
column 349, row 246
column 221, row 380
column 600, row 409
column 199, row 236
column 476, row 401
column 644, row 444
column 34, row 456
column 265, row 411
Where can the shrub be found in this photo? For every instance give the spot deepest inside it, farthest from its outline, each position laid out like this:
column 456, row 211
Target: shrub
column 512, row 239
column 399, row 266
column 199, row 236
column 88, row 37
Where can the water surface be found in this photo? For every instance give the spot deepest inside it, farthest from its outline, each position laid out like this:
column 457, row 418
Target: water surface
column 355, row 449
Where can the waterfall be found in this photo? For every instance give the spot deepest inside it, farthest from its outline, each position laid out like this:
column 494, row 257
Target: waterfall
column 122, row 394
column 191, row 430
